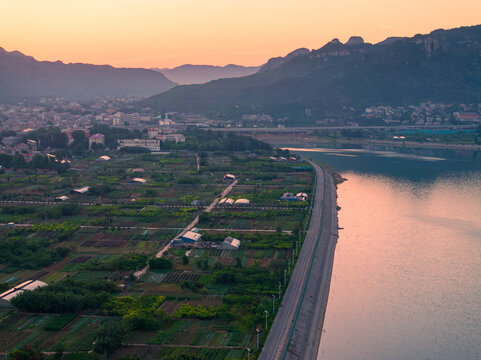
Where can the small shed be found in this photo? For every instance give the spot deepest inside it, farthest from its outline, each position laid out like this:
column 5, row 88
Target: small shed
column 81, row 190
column 190, row 237
column 288, row 197
column 103, row 158
column 138, row 170
column 61, row 198
column 242, row 202
column 302, row 196
column 229, row 177
column 230, row 243
column 229, row 201
column 138, row 181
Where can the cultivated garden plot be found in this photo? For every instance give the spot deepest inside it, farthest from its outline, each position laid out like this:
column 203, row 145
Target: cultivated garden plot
column 195, row 300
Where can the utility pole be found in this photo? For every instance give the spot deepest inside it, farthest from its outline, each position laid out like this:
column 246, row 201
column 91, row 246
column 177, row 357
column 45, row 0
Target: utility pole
column 273, row 303
column 267, row 312
column 285, row 277
column 279, row 289
column 258, row 332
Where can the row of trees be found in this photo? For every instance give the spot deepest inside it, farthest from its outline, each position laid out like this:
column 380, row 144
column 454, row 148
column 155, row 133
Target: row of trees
column 53, row 137
column 44, row 212
column 38, row 161
column 66, row 296
column 201, row 140
column 23, row 253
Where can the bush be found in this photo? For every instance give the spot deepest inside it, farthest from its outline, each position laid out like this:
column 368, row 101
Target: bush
column 26, row 353
column 198, row 312
column 100, row 189
column 140, row 314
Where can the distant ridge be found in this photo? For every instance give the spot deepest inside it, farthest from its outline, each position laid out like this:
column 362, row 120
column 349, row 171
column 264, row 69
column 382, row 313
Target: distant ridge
column 444, row 65
column 23, row 77
column 278, row 61
column 199, row 74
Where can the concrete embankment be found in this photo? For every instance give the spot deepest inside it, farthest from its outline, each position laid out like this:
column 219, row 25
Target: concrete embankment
column 296, row 331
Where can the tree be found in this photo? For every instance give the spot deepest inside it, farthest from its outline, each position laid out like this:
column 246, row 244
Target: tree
column 78, row 136
column 97, row 147
column 80, row 142
column 225, row 277
column 110, row 336
column 59, row 350
column 160, row 264
column 18, row 161
column 49, row 137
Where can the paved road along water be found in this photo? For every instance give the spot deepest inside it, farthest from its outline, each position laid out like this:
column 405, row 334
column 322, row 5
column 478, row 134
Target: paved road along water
column 295, row 333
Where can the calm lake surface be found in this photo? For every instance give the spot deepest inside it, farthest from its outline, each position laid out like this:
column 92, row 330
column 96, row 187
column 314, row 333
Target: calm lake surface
column 406, row 282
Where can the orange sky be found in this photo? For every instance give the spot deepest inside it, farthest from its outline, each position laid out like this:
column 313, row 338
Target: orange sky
column 167, row 33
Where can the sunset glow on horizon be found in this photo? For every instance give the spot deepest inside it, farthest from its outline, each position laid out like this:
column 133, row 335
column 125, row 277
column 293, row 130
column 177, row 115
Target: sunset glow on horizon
column 168, row 33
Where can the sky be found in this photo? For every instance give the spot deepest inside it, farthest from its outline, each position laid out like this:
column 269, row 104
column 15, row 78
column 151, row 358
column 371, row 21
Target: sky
column 168, row 33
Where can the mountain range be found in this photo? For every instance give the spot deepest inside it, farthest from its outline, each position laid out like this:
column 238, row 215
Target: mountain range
column 23, row 77
column 443, row 66
column 199, row 74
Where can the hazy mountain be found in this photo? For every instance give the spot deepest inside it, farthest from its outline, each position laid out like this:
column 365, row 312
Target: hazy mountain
column 199, row 74
column 24, row 77
column 442, row 66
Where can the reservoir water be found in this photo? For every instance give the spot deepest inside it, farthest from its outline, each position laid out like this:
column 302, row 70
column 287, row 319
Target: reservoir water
column 406, row 282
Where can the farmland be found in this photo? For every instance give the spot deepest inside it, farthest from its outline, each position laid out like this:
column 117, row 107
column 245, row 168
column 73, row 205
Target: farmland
column 202, row 302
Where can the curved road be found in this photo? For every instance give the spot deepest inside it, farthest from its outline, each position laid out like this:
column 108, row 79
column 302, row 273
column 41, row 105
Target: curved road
column 296, row 331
